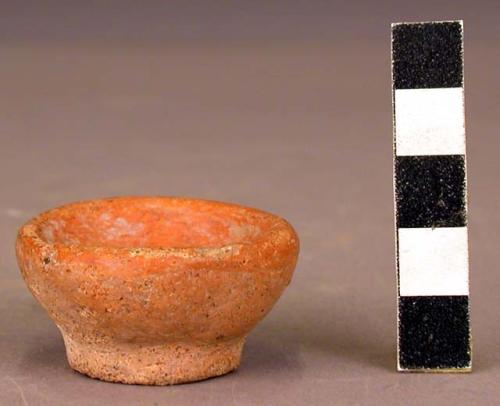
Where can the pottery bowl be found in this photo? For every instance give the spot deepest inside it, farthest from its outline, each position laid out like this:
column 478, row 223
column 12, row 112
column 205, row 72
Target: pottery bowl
column 152, row 290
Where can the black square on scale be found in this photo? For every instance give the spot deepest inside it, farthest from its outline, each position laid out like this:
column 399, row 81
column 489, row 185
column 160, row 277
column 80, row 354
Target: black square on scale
column 427, row 55
column 434, row 332
column 430, row 191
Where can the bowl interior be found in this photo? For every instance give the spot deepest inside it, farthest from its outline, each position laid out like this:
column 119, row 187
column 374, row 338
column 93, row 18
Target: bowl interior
column 152, row 223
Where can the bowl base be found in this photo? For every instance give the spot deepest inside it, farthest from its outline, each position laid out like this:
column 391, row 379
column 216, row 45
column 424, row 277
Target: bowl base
column 144, row 364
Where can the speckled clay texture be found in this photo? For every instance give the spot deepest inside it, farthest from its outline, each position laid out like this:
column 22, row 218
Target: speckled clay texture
column 156, row 290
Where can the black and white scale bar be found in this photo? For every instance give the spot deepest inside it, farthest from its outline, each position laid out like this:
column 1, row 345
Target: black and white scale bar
column 430, row 197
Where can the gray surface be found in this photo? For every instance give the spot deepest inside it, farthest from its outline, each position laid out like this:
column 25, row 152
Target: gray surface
column 281, row 107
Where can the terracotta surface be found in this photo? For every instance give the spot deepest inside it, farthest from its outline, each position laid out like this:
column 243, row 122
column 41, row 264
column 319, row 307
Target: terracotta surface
column 156, row 290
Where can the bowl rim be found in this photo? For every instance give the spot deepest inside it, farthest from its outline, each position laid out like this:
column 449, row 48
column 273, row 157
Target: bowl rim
column 280, row 233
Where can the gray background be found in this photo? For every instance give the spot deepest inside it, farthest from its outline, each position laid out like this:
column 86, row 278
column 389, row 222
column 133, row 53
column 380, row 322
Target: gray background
column 283, row 106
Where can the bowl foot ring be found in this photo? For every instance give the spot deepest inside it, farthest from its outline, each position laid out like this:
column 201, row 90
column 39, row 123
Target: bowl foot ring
column 145, row 364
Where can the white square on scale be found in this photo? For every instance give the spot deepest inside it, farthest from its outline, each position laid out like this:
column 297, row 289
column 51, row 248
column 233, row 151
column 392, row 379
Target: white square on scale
column 433, row 261
column 430, row 121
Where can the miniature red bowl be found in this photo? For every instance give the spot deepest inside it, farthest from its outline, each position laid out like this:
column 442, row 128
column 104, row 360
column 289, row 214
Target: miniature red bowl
column 156, row 290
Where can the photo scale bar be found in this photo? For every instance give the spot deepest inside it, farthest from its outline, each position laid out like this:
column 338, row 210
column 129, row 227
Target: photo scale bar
column 430, row 197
